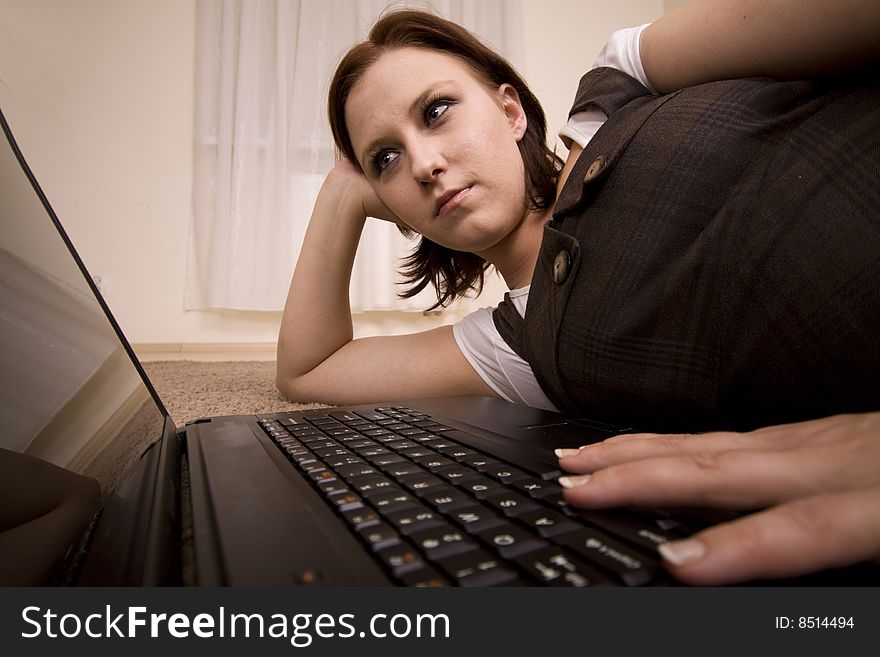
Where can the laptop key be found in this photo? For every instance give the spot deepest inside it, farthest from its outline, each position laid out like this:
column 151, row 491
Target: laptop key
column 311, row 466
column 537, row 488
column 381, row 460
column 345, row 501
column 362, row 517
column 419, row 482
column 414, row 519
column 401, row 444
column 380, row 535
column 511, row 540
column 372, row 416
column 416, row 452
column 547, row 522
column 306, row 461
column 319, row 418
column 553, row 566
column 423, row 438
column 368, row 483
column 457, row 474
column 387, row 502
column 476, row 568
column 504, row 473
column 633, row 527
column 295, row 452
column 340, row 431
column 389, row 438
column 401, row 468
column 327, row 452
column 289, row 421
column 433, row 462
column 375, row 433
column 439, row 443
column 360, row 425
column 631, row 567
column 321, row 474
column 369, row 452
column 430, row 425
column 356, row 470
column 475, row 518
column 305, row 431
column 332, row 487
column 444, row 498
column 413, row 433
column 457, row 452
column 481, row 488
column 317, row 440
column 478, row 461
column 344, row 416
column 511, row 504
column 442, row 541
column 400, row 558
column 360, row 443
column 343, row 459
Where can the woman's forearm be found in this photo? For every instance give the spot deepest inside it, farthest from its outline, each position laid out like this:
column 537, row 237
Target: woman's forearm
column 317, row 315
column 720, row 39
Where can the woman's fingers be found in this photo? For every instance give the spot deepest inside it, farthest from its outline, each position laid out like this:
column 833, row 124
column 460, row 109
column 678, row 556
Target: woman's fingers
column 792, row 539
column 633, row 447
column 821, row 480
column 731, row 479
column 860, row 432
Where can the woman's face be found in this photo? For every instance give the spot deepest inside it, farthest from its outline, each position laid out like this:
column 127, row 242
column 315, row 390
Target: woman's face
column 440, row 148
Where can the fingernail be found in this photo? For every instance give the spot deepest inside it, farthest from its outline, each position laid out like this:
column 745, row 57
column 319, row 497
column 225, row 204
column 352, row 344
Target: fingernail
column 679, row 553
column 572, row 482
column 562, row 453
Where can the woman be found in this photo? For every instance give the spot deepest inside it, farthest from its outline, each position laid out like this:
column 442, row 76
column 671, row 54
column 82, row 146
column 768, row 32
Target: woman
column 641, row 289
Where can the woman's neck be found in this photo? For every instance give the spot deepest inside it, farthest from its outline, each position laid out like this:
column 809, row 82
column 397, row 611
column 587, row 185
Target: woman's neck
column 515, row 256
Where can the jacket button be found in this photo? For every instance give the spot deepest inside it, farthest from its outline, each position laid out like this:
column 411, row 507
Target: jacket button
column 561, row 267
column 595, row 169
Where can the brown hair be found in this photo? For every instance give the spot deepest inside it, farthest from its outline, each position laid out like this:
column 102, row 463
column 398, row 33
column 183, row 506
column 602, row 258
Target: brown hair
column 452, row 273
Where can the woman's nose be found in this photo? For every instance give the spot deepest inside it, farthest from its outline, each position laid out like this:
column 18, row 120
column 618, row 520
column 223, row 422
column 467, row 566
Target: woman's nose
column 427, row 162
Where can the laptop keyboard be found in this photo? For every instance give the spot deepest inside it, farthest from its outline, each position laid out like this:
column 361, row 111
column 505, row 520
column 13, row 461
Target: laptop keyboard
column 437, row 511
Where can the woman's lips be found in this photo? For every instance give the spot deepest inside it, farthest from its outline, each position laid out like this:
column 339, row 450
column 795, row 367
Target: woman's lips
column 451, row 200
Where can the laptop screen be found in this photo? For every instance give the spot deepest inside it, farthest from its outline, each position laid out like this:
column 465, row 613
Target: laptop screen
column 70, row 392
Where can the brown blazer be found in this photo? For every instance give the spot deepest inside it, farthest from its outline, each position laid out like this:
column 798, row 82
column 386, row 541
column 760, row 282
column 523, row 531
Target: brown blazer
column 714, row 258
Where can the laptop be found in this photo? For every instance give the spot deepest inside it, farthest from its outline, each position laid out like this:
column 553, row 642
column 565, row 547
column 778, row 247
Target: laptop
column 457, row 491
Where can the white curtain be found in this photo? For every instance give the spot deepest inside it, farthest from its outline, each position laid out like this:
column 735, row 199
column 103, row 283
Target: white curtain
column 263, row 144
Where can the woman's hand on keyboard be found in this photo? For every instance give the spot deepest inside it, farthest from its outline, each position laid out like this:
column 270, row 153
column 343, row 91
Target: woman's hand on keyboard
column 813, row 489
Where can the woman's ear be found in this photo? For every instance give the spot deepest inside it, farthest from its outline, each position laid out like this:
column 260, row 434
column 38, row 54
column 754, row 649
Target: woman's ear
column 513, row 110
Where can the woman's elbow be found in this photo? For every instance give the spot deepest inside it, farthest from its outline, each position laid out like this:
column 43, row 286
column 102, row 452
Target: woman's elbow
column 286, row 376
column 288, row 384
column 298, row 387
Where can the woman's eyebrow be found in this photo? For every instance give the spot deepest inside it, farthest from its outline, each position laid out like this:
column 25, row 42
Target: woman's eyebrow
column 414, row 108
column 423, row 97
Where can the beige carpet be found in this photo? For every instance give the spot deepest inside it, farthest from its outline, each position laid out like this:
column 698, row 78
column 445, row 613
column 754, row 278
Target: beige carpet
column 191, row 390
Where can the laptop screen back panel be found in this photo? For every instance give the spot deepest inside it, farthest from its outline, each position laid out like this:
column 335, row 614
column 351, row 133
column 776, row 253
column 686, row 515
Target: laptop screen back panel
column 72, row 393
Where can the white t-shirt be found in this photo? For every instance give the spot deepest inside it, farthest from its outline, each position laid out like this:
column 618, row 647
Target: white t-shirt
column 480, row 343
column 493, row 359
column 621, row 52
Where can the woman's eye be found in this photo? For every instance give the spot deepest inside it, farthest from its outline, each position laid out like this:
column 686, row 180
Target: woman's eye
column 383, row 160
column 436, row 110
